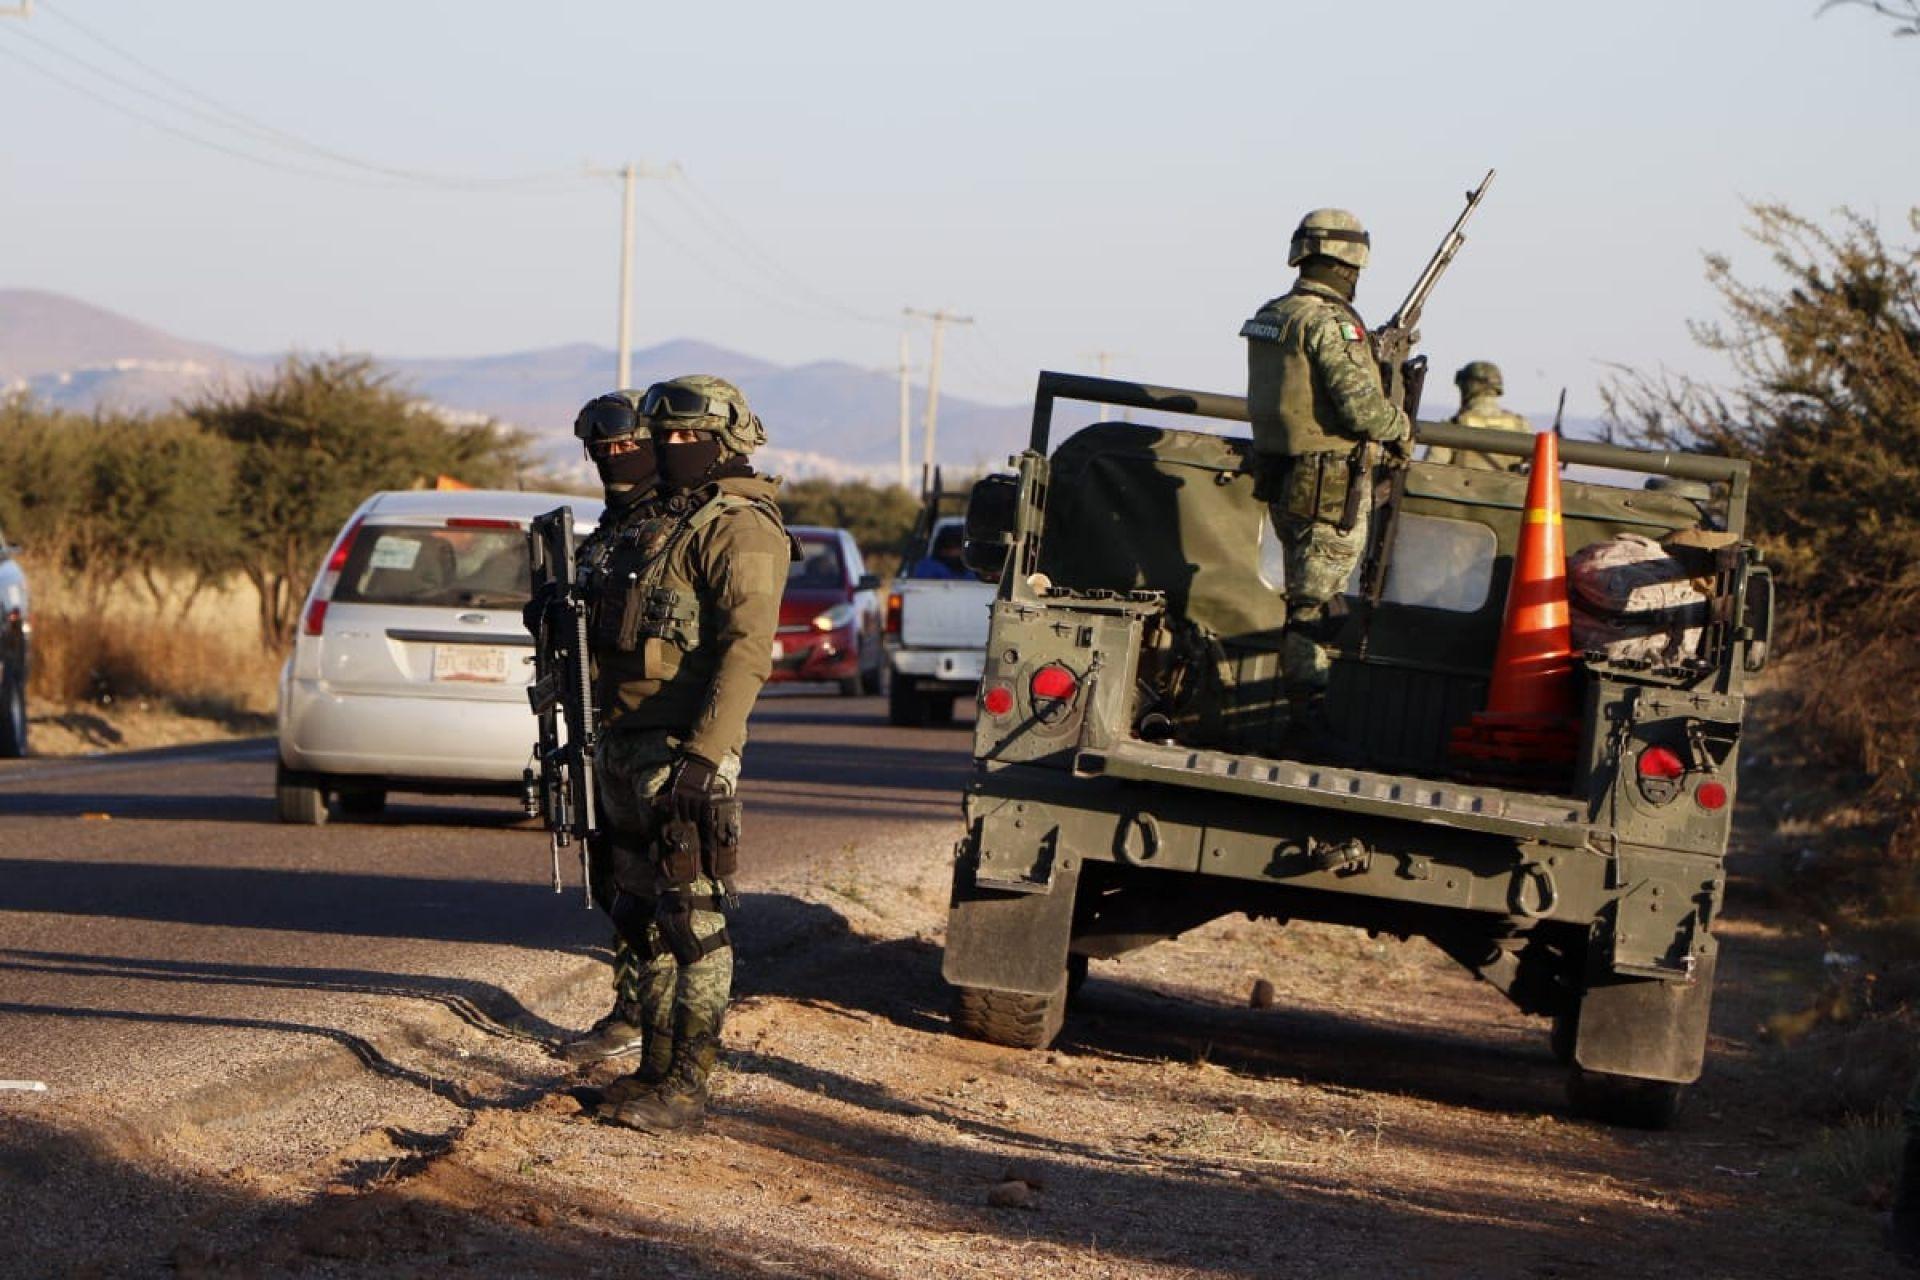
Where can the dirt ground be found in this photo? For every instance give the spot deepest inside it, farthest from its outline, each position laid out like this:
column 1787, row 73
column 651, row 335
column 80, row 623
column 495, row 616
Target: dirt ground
column 1385, row 1115
column 92, row 729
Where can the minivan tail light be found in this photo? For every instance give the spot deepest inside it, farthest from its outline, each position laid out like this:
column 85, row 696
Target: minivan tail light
column 316, row 616
column 338, row 560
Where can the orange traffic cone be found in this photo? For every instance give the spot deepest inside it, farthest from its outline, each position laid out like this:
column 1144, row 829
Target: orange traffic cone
column 1531, row 723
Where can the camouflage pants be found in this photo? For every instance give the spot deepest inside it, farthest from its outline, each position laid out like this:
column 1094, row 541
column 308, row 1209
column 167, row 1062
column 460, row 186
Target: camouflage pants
column 1319, row 560
column 683, row 1005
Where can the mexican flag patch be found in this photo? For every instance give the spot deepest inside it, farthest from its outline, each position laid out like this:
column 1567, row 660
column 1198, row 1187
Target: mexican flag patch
column 1351, row 331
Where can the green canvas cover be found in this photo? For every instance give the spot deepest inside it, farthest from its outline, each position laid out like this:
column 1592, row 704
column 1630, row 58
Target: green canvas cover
column 1149, row 508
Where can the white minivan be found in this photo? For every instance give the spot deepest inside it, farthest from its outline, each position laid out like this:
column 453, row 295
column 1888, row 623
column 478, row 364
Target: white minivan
column 410, row 667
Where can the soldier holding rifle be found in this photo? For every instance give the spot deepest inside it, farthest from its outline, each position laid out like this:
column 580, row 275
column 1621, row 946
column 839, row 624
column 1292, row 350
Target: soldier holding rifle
column 1323, row 393
column 678, row 596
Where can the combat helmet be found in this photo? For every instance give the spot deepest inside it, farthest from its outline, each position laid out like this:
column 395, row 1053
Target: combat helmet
column 1480, row 373
column 1331, row 233
column 700, row 402
column 609, row 418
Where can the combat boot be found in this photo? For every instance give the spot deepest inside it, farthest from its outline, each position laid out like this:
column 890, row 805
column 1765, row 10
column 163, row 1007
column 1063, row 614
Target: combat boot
column 1903, row 1233
column 656, row 1061
column 622, row 1032
column 679, row 1103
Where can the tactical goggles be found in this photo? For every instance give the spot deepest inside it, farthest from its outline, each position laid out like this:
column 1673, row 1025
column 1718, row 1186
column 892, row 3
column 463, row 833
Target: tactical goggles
column 663, row 400
column 608, row 418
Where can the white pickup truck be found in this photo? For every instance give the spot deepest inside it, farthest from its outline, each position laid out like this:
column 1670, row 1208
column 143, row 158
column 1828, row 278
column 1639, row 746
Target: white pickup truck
column 936, row 630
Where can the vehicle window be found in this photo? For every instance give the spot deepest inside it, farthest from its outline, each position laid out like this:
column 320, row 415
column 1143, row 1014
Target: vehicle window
column 1437, row 563
column 818, row 566
column 856, row 565
column 397, row 564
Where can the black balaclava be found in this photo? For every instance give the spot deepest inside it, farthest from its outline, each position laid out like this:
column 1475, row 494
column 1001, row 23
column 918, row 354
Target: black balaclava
column 688, row 466
column 1341, row 277
column 629, row 477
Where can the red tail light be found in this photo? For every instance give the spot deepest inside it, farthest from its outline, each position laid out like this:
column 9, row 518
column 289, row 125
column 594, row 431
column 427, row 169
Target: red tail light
column 478, row 522
column 1054, row 684
column 316, row 615
column 998, row 700
column 1658, row 762
column 338, row 560
column 1711, row 795
column 893, row 613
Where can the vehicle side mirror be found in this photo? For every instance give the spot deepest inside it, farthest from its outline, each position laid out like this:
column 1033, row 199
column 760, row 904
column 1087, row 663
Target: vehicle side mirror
column 868, row 582
column 992, row 511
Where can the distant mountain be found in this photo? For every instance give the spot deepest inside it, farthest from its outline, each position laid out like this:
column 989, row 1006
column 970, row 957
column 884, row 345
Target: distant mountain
column 826, row 417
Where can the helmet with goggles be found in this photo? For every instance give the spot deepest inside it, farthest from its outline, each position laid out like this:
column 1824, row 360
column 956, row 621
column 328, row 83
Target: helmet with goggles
column 699, row 402
column 609, row 419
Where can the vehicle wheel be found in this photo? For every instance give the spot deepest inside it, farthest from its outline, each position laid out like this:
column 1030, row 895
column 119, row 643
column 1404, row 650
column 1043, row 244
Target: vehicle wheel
column 939, row 707
column 1624, row 1100
column 368, row 802
column 13, row 718
column 1010, row 1018
column 849, row 686
column 300, row 797
column 905, row 706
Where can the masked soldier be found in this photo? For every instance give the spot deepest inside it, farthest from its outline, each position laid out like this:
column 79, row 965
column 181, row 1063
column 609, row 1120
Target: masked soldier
column 1315, row 397
column 1481, row 386
column 684, row 592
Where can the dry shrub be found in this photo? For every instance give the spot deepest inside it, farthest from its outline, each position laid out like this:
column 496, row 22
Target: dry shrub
column 103, row 660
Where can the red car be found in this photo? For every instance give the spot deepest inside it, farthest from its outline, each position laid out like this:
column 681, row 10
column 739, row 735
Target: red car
column 830, row 615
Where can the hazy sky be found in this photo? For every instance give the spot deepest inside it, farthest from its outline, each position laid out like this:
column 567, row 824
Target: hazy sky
column 1078, row 176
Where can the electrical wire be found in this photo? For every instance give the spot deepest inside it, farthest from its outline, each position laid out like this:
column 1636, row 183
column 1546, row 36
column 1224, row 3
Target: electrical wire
column 221, row 116
column 723, row 227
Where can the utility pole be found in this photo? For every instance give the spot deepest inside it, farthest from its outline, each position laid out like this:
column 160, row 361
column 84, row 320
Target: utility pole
column 906, row 417
column 628, row 173
column 941, row 319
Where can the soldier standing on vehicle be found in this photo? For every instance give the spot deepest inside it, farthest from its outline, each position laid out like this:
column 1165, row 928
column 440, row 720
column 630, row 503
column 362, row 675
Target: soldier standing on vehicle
column 1481, row 386
column 1317, row 404
column 684, row 594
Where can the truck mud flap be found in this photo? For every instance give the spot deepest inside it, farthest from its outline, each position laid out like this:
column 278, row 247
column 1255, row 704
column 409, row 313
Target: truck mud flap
column 1004, row 941
column 1647, row 1028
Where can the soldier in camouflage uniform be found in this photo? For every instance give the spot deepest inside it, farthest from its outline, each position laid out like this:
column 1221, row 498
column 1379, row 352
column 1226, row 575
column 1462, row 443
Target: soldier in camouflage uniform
column 1481, row 386
column 1317, row 405
column 684, row 594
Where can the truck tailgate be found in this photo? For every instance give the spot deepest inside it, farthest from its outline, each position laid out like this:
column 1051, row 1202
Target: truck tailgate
column 1556, row 820
column 945, row 615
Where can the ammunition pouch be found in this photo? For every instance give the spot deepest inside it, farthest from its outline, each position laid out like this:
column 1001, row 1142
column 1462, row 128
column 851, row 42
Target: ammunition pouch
column 679, row 852
column 720, row 843
column 1317, row 488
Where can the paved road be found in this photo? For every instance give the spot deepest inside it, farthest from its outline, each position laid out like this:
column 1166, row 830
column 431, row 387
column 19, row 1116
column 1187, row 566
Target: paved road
column 160, row 931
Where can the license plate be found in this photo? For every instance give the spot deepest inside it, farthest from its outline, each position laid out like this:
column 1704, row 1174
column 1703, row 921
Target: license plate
column 483, row 664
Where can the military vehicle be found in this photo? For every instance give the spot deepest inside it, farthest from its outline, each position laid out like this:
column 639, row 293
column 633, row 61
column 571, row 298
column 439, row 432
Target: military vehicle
column 1128, row 785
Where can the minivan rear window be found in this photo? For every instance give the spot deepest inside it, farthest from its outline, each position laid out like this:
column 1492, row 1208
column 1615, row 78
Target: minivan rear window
column 408, row 564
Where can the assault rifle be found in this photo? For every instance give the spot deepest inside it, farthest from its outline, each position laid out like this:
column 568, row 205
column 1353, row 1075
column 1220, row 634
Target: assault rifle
column 1404, row 376
column 562, row 790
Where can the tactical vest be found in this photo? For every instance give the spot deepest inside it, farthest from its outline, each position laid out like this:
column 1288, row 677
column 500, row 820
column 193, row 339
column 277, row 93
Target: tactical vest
column 1291, row 411
column 635, row 583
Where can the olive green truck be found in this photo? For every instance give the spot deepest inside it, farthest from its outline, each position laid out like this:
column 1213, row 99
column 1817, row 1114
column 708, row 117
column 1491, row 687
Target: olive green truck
column 1128, row 784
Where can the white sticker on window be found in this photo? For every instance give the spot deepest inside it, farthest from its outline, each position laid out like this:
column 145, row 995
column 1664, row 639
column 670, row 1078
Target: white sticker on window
column 393, row 553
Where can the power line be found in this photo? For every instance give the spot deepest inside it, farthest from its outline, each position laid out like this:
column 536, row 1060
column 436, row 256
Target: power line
column 724, row 227
column 222, row 116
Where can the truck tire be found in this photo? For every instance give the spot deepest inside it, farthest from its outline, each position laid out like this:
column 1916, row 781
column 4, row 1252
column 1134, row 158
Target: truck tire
column 939, row 707
column 905, row 705
column 1014, row 1019
column 299, row 797
column 1624, row 1100
column 13, row 717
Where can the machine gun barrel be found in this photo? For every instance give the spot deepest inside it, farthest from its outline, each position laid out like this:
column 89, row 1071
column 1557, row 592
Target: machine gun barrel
column 1408, row 314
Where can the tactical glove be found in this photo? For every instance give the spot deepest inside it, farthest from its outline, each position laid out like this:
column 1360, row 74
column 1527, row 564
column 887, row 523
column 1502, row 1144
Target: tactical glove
column 689, row 789
column 534, row 612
